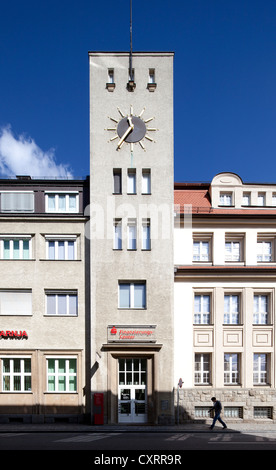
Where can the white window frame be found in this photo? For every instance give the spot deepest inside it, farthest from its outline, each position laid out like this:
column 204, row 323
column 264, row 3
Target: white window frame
column 56, row 239
column 131, row 286
column 57, row 195
column 56, row 374
column 246, row 199
column 146, row 181
column 232, row 317
column 131, row 181
column 117, row 234
column 261, row 199
column 146, row 235
column 15, row 238
column 132, row 234
column 58, row 294
column 226, row 199
column 260, row 369
column 201, row 255
column 264, row 251
column 12, row 374
column 201, row 374
column 202, row 317
column 260, row 316
column 232, row 374
column 233, row 249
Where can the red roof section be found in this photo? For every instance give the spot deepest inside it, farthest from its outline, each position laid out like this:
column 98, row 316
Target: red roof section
column 198, row 196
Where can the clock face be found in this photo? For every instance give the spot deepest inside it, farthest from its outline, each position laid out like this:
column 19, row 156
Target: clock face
column 131, row 129
column 136, row 134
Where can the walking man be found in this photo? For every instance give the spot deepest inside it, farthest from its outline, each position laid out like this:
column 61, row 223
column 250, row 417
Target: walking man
column 217, row 407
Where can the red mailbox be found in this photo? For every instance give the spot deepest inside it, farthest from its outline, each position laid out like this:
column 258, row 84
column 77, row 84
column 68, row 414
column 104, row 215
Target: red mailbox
column 98, row 408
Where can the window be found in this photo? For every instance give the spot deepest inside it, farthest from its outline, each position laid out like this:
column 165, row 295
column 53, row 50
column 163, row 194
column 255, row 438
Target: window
column 151, row 80
column 131, row 181
column 62, row 303
column 274, row 199
column 62, row 202
column 263, row 412
column 61, row 249
column 15, row 247
column 202, row 309
column 146, row 242
column 117, row 234
column 233, row 412
column 132, row 295
column 264, row 251
column 16, row 375
column 117, row 181
column 202, row 412
column 17, row 201
column 202, row 369
column 260, row 314
column 233, row 247
column 260, row 369
column 231, row 309
column 226, row 199
column 231, row 369
column 14, row 302
column 146, row 181
column 110, row 74
column 61, row 375
column 131, row 234
column 246, row 199
column 261, row 199
column 151, row 75
column 201, row 251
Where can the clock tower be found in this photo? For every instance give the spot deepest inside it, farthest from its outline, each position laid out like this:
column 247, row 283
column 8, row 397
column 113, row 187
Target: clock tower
column 131, row 235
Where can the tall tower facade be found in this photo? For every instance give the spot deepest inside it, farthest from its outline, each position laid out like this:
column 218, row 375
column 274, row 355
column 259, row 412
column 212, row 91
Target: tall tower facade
column 131, row 235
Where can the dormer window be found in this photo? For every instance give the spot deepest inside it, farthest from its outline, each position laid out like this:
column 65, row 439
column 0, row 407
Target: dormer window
column 246, row 199
column 226, row 199
column 62, row 202
column 261, row 199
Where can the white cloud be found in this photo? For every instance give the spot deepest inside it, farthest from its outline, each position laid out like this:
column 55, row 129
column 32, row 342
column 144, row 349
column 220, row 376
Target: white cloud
column 22, row 156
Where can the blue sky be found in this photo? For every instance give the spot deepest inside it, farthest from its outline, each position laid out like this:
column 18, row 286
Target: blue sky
column 224, row 81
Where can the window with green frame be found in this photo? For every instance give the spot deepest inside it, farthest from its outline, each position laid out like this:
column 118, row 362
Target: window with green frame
column 62, row 375
column 16, row 375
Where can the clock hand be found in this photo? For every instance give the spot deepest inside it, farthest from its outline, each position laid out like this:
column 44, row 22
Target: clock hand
column 130, row 128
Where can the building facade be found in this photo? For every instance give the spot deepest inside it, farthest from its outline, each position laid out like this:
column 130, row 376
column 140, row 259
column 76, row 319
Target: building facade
column 225, row 279
column 126, row 297
column 131, row 232
column 43, row 301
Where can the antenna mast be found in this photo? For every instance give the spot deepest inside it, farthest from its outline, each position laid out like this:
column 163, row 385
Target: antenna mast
column 130, row 55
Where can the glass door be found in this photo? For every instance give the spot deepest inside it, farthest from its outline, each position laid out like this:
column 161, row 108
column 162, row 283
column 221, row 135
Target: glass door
column 132, row 393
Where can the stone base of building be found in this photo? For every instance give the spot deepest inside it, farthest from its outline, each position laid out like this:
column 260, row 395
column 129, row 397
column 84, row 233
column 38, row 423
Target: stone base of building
column 43, row 419
column 239, row 405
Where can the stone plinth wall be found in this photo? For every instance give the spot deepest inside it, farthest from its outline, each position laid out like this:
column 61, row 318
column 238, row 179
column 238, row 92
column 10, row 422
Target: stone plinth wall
column 253, row 404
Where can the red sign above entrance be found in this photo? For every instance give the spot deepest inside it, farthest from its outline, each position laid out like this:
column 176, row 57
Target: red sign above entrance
column 13, row 334
column 131, row 334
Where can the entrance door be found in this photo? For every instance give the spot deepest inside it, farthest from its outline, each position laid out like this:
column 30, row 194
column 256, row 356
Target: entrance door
column 132, row 393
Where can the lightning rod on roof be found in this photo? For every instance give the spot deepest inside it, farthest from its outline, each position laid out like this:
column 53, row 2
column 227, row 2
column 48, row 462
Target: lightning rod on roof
column 130, row 55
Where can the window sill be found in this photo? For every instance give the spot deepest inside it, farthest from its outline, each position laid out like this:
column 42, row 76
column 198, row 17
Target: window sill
column 110, row 86
column 29, row 259
column 45, row 259
column 56, row 315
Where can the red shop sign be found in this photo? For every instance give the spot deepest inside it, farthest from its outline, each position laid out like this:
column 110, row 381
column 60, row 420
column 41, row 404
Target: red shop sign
column 13, row 334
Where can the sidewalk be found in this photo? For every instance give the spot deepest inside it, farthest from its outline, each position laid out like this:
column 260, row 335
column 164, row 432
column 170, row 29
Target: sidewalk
column 183, row 428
